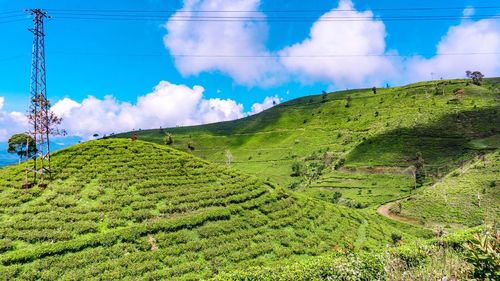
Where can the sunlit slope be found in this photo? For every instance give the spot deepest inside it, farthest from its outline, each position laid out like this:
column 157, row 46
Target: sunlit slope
column 468, row 196
column 447, row 121
column 122, row 208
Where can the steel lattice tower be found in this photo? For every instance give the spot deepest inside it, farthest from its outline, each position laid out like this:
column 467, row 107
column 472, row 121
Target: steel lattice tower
column 38, row 113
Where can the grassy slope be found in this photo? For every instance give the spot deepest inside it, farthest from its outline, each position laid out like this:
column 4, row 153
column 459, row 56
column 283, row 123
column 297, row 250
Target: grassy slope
column 454, row 201
column 380, row 131
column 113, row 201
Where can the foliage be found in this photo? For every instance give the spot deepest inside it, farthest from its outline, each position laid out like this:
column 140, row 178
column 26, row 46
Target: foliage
column 476, row 76
column 110, row 196
column 419, row 169
column 484, row 254
column 441, row 132
column 168, row 139
column 297, row 168
column 21, row 144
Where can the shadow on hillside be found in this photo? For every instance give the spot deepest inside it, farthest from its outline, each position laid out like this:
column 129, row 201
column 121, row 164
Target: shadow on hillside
column 442, row 143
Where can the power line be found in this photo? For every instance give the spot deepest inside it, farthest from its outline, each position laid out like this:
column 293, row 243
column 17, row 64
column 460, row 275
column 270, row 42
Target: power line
column 294, row 20
column 248, row 56
column 275, row 11
column 264, row 56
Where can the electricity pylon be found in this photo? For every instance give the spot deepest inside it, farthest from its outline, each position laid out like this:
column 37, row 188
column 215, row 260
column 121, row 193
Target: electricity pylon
column 39, row 109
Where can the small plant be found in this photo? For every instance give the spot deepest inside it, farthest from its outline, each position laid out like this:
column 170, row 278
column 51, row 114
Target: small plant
column 483, row 253
column 229, row 157
column 348, row 102
column 191, row 146
column 339, row 163
column 297, row 169
column 396, row 238
column 336, row 197
column 168, row 139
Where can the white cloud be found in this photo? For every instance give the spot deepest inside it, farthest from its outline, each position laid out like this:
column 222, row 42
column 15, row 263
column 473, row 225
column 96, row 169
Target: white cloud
column 11, row 122
column 356, row 38
column 226, row 38
column 167, row 105
column 268, row 103
column 469, row 37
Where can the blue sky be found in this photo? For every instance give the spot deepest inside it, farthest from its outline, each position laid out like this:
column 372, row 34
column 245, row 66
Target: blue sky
column 116, row 62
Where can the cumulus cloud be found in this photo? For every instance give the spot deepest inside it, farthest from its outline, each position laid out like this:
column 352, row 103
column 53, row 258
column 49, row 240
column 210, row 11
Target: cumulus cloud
column 230, row 39
column 356, row 39
column 11, row 122
column 481, row 38
column 267, row 103
column 167, row 105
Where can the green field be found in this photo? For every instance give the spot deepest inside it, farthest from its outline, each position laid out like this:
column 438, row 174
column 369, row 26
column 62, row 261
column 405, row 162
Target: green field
column 376, row 134
column 297, row 199
column 119, row 208
column 468, row 196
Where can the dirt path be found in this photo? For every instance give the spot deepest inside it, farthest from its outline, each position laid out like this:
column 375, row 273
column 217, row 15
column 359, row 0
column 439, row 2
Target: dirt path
column 385, row 210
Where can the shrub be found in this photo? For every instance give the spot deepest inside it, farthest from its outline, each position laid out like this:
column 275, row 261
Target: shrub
column 297, row 169
column 483, row 253
column 339, row 163
column 348, row 102
column 168, row 139
column 396, row 237
column 336, row 197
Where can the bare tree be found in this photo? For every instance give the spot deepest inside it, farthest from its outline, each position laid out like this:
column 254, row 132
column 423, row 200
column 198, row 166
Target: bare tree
column 229, row 157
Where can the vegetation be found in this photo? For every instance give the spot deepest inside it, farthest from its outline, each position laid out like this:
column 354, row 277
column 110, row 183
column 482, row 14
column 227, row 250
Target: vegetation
column 446, row 129
column 468, row 196
column 118, row 208
column 23, row 145
column 137, row 206
column 436, row 259
column 476, row 76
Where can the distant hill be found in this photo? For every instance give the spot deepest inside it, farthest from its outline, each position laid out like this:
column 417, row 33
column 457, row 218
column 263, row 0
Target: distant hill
column 132, row 209
column 360, row 143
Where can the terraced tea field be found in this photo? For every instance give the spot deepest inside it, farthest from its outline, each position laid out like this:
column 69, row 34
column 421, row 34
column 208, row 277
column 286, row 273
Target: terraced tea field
column 468, row 196
column 368, row 189
column 131, row 209
column 448, row 122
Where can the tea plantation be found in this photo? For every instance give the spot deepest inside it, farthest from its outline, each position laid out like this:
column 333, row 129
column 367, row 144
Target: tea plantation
column 469, row 196
column 358, row 143
column 131, row 209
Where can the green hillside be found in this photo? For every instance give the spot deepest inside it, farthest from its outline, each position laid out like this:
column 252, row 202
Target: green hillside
column 358, row 143
column 131, row 209
column 468, row 196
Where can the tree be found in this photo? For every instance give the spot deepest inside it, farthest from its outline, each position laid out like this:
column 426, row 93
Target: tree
column 324, row 97
column 19, row 143
column 168, row 139
column 348, row 101
column 374, row 90
column 229, row 157
column 476, row 76
column 419, row 169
